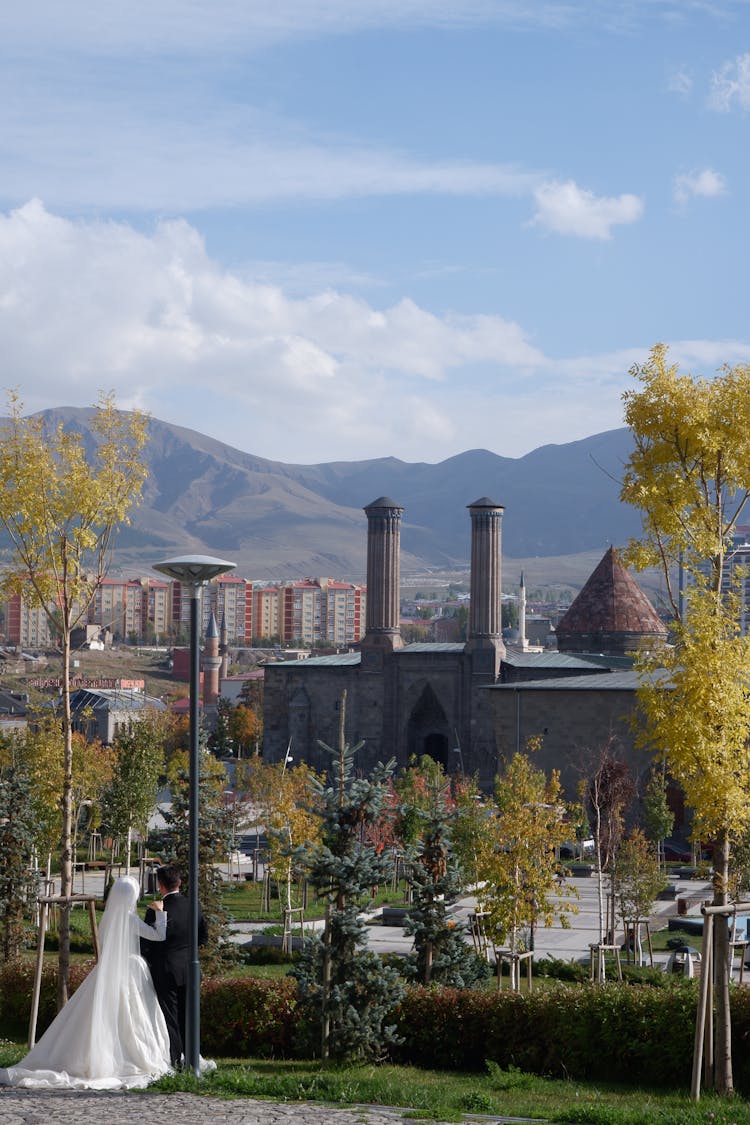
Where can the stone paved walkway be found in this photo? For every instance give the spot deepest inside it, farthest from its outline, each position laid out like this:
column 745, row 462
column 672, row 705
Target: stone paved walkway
column 34, row 1107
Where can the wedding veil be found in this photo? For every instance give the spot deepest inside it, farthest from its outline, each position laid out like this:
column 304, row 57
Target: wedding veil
column 111, row 1033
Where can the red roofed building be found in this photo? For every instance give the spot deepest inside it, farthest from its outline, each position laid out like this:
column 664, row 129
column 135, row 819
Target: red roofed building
column 611, row 614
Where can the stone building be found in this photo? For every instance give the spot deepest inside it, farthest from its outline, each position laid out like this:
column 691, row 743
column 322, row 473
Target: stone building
column 583, row 697
column 469, row 705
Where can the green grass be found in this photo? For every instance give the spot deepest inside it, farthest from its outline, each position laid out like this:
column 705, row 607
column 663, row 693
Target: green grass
column 448, row 1096
column 659, row 939
column 243, row 902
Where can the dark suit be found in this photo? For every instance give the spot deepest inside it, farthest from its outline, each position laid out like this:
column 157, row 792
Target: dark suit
column 168, row 962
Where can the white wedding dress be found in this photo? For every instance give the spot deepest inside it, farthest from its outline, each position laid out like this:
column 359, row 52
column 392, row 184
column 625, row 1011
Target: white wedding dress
column 111, row 1034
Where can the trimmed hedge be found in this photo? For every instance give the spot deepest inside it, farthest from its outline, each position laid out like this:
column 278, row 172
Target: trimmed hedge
column 17, row 986
column 240, row 1016
column 245, row 1016
column 613, row 1032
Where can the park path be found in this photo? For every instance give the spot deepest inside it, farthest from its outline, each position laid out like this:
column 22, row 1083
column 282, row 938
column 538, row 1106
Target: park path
column 34, row 1107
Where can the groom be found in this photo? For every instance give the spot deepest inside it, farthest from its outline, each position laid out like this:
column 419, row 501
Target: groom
column 168, row 960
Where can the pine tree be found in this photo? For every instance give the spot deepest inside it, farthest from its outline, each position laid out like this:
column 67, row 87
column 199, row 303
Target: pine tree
column 345, row 992
column 17, row 883
column 441, row 954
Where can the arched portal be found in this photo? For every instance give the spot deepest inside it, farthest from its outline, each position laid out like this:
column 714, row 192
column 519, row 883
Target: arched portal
column 428, row 730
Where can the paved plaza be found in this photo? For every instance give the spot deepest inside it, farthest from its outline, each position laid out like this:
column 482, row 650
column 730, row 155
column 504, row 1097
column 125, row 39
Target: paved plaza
column 566, row 943
column 25, row 1107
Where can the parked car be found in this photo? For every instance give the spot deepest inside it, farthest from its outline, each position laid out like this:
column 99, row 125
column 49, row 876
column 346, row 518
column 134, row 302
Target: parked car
column 673, row 853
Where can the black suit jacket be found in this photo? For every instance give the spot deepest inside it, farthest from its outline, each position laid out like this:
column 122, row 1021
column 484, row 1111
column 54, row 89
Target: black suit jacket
column 171, row 956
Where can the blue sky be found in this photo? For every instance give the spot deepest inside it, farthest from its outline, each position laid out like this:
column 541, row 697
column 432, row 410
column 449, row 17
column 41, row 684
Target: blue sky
column 340, row 229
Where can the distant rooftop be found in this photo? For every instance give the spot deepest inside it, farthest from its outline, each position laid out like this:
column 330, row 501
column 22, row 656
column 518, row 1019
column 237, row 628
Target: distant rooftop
column 338, row 659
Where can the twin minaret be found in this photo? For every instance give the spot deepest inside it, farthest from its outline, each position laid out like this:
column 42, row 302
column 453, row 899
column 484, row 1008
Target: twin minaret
column 485, row 643
column 382, row 629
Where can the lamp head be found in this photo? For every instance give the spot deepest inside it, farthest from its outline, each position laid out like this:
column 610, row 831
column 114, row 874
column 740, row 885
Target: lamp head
column 194, row 570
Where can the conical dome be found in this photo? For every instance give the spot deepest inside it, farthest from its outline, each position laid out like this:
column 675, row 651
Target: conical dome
column 611, row 614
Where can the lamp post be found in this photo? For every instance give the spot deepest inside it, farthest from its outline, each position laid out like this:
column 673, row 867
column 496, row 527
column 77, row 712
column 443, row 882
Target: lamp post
column 193, row 571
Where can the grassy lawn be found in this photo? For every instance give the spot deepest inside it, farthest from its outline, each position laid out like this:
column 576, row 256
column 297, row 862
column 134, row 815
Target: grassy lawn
column 447, row 1096
column 659, row 939
column 243, row 902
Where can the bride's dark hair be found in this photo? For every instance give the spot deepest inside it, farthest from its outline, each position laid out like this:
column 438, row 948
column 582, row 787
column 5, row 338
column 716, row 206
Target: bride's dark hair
column 169, row 876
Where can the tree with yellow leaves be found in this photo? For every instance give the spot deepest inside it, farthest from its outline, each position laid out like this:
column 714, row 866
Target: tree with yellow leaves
column 284, row 804
column 516, row 860
column 689, row 474
column 245, row 728
column 36, row 752
column 61, row 504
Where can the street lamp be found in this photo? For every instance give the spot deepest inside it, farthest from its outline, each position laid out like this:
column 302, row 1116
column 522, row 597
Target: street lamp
column 193, row 571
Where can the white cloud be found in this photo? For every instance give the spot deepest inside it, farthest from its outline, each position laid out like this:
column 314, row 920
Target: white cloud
column 706, row 183
column 111, row 151
column 680, row 82
column 237, row 25
column 241, row 26
column 568, row 209
column 86, row 306
column 89, row 305
column 731, row 84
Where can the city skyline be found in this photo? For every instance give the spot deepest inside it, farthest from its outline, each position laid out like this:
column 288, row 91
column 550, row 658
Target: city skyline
column 353, row 228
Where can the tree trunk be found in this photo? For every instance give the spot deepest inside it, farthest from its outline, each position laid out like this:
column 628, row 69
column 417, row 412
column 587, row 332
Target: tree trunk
column 600, row 969
column 723, row 1080
column 66, row 853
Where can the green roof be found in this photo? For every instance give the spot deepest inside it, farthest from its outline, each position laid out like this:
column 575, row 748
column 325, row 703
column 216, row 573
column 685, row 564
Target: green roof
column 601, row 681
column 335, row 660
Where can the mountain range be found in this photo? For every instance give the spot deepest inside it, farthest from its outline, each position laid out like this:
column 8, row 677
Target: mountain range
column 278, row 520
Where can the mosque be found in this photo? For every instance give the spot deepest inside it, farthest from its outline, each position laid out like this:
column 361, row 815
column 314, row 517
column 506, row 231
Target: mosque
column 469, row 705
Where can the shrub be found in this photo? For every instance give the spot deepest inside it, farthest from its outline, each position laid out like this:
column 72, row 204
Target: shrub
column 16, row 989
column 558, row 969
column 245, row 1016
column 606, row 1032
column 252, row 954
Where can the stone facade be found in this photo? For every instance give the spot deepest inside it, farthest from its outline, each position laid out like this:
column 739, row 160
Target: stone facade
column 469, row 706
column 575, row 717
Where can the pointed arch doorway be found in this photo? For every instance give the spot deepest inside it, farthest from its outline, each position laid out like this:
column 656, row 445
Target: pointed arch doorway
column 428, row 730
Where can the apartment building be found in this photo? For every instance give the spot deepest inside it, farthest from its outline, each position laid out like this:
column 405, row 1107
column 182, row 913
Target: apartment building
column 266, row 612
column 120, row 605
column 228, row 598
column 736, row 575
column 299, row 611
column 159, row 608
column 343, row 609
column 310, row 611
column 26, row 626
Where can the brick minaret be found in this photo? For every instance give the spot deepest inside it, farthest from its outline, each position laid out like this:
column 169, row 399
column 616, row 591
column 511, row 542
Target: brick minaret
column 223, row 649
column 485, row 624
column 382, row 628
column 211, row 661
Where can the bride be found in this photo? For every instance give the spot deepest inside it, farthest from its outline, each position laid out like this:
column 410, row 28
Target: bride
column 111, row 1034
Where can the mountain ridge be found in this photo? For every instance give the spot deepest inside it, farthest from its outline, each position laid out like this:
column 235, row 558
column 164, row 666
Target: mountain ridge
column 281, row 520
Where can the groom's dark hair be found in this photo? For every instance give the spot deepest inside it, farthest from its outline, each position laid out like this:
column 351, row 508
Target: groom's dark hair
column 169, row 876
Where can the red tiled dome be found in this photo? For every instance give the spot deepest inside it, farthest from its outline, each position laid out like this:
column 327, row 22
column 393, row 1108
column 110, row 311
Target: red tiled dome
column 611, row 613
